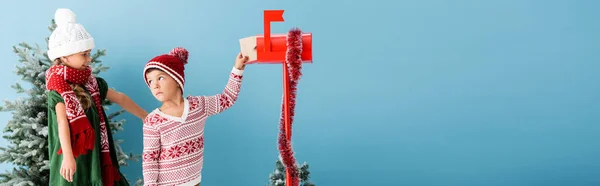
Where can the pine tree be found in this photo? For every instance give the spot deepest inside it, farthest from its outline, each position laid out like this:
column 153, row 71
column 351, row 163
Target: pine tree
column 27, row 131
column 277, row 178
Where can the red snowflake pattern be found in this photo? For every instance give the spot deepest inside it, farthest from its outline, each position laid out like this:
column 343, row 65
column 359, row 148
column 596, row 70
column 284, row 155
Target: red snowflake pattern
column 155, row 119
column 179, row 150
column 225, row 102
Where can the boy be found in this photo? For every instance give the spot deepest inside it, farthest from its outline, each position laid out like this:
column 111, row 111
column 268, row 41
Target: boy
column 174, row 133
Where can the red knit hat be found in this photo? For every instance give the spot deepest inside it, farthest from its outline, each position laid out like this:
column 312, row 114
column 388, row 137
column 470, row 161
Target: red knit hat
column 172, row 64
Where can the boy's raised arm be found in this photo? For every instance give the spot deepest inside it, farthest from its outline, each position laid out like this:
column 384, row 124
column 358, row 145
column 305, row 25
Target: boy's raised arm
column 220, row 102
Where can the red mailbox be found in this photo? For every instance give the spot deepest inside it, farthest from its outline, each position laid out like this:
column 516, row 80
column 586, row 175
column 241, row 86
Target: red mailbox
column 273, row 49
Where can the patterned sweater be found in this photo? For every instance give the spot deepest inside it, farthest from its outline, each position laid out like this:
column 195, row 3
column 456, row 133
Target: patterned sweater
column 174, row 146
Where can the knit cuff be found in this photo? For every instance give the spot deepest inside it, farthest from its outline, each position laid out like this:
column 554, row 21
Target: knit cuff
column 237, row 71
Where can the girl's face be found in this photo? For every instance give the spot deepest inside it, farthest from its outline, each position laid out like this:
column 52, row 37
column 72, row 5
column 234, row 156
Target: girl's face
column 162, row 86
column 79, row 60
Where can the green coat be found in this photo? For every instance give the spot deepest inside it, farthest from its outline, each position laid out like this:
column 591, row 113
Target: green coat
column 88, row 171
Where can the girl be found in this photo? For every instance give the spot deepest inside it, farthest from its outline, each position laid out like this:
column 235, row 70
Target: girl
column 80, row 143
column 174, row 133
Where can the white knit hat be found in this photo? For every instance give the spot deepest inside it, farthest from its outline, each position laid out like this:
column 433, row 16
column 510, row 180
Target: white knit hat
column 69, row 37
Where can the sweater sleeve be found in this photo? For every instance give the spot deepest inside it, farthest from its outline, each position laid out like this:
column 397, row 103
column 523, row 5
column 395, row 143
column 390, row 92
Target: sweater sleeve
column 220, row 102
column 151, row 153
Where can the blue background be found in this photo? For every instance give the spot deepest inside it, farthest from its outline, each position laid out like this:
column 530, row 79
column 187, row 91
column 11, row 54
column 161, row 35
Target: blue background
column 430, row 92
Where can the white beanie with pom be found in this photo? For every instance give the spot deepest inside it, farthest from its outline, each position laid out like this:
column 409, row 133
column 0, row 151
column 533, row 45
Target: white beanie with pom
column 69, row 37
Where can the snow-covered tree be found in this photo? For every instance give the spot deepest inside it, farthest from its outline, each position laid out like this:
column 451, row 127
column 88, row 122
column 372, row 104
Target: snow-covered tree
column 27, row 131
column 277, row 178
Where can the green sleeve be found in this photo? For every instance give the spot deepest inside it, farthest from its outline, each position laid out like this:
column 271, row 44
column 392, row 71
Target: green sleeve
column 102, row 87
column 53, row 99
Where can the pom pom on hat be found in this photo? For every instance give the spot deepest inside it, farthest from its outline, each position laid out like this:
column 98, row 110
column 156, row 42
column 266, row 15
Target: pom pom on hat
column 180, row 53
column 172, row 63
column 64, row 16
column 69, row 37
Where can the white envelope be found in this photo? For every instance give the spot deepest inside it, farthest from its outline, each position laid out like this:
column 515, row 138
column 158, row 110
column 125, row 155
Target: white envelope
column 248, row 47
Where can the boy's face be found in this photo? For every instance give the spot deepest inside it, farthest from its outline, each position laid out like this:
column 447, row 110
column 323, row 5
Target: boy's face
column 79, row 60
column 162, row 86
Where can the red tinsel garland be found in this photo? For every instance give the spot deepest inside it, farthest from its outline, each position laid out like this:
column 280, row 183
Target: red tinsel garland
column 294, row 63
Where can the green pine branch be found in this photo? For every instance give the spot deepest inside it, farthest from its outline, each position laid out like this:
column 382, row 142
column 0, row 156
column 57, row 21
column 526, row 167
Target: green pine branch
column 278, row 176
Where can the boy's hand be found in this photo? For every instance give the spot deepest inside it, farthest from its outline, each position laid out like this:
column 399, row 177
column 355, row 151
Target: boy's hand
column 240, row 61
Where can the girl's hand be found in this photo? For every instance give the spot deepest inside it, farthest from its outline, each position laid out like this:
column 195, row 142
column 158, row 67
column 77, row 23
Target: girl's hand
column 67, row 169
column 240, row 61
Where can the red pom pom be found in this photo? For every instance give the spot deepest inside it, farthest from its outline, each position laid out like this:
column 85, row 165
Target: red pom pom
column 180, row 53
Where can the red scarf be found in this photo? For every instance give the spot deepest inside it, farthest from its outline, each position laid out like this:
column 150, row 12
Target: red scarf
column 82, row 133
